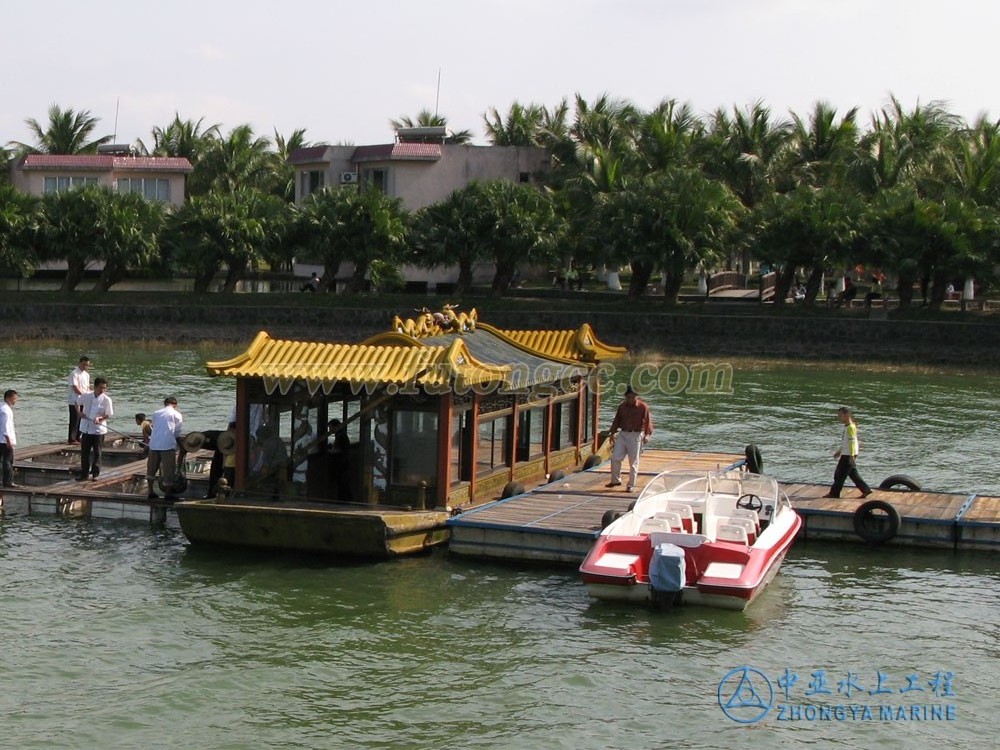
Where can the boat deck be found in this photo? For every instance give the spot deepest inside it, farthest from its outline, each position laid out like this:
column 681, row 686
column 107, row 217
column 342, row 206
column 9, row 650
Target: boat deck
column 558, row 522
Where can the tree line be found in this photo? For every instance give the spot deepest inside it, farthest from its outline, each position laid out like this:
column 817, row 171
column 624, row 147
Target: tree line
column 914, row 193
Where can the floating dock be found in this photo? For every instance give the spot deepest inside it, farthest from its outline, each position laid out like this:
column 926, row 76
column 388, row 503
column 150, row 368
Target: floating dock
column 558, row 522
column 48, row 486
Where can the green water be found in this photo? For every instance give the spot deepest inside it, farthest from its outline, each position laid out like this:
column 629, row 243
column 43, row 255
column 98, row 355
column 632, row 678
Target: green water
column 119, row 635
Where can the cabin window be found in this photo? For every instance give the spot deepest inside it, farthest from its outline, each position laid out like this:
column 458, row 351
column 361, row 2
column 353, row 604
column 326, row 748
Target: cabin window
column 531, row 433
column 492, row 451
column 414, row 442
column 564, row 421
column 460, row 467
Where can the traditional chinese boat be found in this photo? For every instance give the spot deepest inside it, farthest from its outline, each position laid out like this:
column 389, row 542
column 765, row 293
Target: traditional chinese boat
column 387, row 438
column 715, row 538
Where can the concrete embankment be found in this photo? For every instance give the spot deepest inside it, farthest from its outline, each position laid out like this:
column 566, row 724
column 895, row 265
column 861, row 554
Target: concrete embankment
column 852, row 336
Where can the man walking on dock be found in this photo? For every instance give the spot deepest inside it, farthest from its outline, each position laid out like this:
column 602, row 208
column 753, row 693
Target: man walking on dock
column 8, row 438
column 636, row 425
column 846, row 457
column 167, row 423
column 95, row 411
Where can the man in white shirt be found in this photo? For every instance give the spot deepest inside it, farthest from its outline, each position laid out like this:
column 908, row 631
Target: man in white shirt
column 8, row 438
column 167, row 423
column 95, row 411
column 77, row 385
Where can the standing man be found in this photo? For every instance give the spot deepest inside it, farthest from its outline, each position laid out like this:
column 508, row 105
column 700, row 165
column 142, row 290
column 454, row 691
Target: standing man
column 847, row 456
column 95, row 411
column 8, row 439
column 78, row 384
column 636, row 425
column 167, row 423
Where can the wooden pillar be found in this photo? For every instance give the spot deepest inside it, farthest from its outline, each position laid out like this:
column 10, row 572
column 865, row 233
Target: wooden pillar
column 445, row 412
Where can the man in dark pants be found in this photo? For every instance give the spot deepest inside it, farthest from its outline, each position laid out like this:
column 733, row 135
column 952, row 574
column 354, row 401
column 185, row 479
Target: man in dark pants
column 846, row 457
column 8, row 438
column 95, row 411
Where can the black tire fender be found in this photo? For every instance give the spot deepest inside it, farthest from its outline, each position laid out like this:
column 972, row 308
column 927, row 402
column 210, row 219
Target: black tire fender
column 510, row 489
column 609, row 517
column 556, row 475
column 876, row 521
column 900, row 483
column 592, row 460
column 755, row 463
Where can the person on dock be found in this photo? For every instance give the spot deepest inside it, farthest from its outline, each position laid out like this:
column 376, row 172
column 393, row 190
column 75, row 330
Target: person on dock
column 78, row 384
column 167, row 423
column 847, row 456
column 145, row 428
column 96, row 409
column 635, row 422
column 8, row 437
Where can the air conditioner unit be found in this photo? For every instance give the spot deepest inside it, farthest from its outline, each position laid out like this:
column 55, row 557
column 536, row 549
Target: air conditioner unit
column 347, row 178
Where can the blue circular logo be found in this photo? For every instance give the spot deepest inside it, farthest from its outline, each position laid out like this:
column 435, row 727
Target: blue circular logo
column 745, row 695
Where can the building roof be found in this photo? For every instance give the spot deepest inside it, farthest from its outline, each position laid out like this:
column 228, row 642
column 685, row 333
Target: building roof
column 310, row 155
column 423, row 354
column 398, row 152
column 105, row 163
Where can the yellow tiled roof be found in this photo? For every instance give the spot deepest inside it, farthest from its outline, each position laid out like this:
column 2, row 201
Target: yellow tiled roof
column 321, row 366
column 581, row 345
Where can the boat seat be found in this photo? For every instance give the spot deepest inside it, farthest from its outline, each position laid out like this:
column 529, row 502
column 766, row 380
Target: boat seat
column 649, row 525
column 747, row 524
column 746, row 513
column 673, row 518
column 727, row 532
column 686, row 514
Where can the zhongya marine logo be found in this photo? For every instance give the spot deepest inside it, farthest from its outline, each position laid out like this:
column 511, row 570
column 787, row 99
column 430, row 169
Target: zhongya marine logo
column 745, row 695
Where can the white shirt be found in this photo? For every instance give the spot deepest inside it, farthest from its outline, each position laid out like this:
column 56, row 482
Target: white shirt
column 7, row 436
column 167, row 424
column 95, row 406
column 80, row 379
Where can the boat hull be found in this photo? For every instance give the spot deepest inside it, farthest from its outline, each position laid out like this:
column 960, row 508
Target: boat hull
column 312, row 528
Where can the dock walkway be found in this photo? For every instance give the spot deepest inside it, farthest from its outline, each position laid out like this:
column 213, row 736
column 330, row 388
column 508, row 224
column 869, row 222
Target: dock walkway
column 558, row 522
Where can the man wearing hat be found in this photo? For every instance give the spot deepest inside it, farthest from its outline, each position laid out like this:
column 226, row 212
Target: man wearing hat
column 636, row 425
column 167, row 423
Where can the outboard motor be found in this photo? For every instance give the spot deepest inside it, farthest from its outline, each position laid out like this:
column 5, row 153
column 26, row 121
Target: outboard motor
column 667, row 574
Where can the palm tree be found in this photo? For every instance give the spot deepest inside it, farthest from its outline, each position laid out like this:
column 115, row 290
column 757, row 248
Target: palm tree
column 236, row 162
column 666, row 135
column 453, row 231
column 522, row 126
column 129, row 224
column 427, row 119
column 820, row 148
column 69, row 232
column 67, row 132
column 19, row 222
column 286, row 172
column 184, row 138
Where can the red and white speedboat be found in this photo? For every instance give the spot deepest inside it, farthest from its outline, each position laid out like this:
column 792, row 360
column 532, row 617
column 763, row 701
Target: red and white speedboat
column 715, row 538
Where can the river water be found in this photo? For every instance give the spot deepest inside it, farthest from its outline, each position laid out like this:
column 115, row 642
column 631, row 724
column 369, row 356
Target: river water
column 118, row 635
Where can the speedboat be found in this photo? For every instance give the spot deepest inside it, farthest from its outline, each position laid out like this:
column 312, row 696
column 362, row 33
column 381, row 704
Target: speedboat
column 714, row 538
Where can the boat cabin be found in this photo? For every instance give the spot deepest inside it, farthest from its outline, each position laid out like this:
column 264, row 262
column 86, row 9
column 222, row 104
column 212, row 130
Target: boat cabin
column 441, row 411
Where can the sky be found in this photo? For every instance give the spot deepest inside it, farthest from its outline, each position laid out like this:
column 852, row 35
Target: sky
column 342, row 70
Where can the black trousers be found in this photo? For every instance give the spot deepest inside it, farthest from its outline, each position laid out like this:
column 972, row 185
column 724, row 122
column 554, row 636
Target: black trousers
column 74, row 424
column 847, row 468
column 90, row 454
column 6, row 464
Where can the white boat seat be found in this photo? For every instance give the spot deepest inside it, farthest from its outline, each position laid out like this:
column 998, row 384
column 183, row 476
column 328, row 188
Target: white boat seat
column 747, row 524
column 746, row 513
column 727, row 532
column 649, row 525
column 686, row 514
column 673, row 519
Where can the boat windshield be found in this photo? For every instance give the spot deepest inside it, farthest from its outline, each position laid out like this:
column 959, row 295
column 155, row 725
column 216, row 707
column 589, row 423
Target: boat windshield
column 690, row 485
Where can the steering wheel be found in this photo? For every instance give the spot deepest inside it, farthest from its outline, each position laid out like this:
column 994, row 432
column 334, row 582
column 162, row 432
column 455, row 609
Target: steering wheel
column 749, row 502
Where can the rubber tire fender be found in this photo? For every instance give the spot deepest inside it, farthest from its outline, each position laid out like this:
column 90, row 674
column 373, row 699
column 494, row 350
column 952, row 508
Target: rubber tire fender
column 510, row 489
column 556, row 475
column 863, row 513
column 592, row 460
column 609, row 517
column 755, row 463
column 897, row 483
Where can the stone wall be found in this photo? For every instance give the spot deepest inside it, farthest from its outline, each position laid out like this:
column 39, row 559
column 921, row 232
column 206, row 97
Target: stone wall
column 852, row 335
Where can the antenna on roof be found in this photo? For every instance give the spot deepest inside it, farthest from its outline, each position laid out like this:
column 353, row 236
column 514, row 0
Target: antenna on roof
column 437, row 96
column 118, row 101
